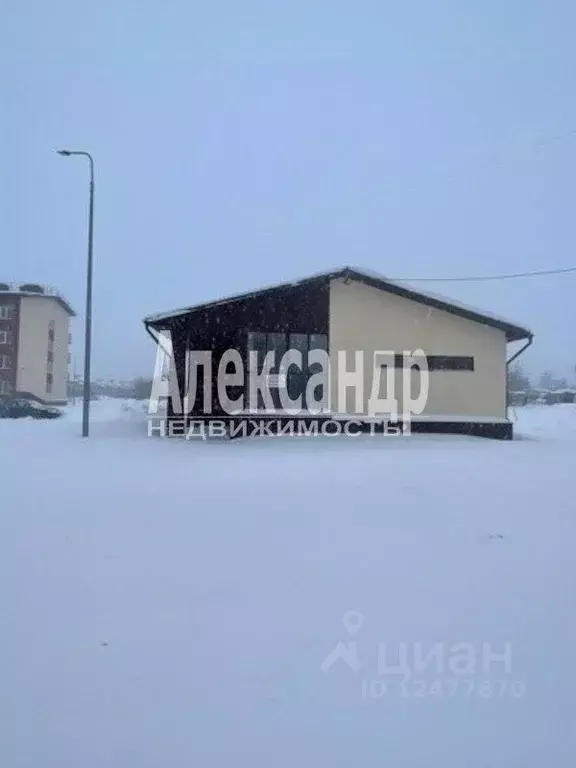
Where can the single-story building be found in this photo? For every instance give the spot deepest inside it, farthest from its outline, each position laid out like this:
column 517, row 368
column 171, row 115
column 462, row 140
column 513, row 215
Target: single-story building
column 363, row 323
column 553, row 396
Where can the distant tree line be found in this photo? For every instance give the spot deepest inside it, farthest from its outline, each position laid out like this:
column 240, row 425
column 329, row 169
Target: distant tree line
column 521, row 388
column 136, row 389
column 547, row 389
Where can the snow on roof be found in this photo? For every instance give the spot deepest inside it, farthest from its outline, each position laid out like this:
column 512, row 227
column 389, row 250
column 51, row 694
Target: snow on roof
column 513, row 330
column 440, row 298
column 36, row 289
column 235, row 297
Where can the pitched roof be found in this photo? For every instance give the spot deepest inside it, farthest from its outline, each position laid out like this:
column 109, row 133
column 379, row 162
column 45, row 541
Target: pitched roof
column 513, row 331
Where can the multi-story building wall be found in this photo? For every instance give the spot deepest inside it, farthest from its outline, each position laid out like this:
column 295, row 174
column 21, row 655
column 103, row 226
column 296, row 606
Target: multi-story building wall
column 34, row 343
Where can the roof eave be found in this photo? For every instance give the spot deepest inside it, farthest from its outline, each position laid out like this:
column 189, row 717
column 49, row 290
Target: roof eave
column 159, row 317
column 518, row 334
column 512, row 332
column 32, row 295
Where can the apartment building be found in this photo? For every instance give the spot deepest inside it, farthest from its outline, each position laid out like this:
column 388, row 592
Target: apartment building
column 34, row 343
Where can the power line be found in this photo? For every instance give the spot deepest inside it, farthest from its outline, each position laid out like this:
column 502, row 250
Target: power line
column 481, row 278
column 535, row 144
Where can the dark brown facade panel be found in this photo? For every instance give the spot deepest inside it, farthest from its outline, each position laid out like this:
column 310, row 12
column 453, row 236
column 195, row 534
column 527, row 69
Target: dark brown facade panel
column 10, row 322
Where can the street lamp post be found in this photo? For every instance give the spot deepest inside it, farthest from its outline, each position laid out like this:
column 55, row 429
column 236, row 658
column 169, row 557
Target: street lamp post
column 88, row 331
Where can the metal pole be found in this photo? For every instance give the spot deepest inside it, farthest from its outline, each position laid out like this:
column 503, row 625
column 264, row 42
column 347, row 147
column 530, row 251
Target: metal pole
column 88, row 334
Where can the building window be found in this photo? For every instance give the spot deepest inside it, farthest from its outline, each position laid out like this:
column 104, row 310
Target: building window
column 319, row 341
column 51, row 334
column 5, row 363
column 440, row 362
column 280, row 343
column 447, row 363
column 5, row 387
column 299, row 343
column 257, row 343
column 276, row 343
column 5, row 337
column 49, row 382
column 6, row 311
column 50, row 356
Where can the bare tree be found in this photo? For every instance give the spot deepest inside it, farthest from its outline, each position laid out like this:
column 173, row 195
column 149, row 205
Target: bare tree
column 518, row 381
column 140, row 388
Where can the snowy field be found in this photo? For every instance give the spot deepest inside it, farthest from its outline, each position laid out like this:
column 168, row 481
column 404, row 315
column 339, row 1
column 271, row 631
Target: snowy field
column 170, row 604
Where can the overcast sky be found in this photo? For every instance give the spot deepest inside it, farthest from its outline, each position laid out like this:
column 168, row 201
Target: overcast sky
column 244, row 142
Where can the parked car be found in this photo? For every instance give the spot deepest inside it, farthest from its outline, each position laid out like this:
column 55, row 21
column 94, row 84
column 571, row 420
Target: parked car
column 21, row 409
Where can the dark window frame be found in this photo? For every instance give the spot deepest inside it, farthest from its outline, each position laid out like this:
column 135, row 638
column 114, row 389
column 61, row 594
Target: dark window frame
column 451, row 363
column 7, row 312
column 436, row 363
column 265, row 344
column 296, row 379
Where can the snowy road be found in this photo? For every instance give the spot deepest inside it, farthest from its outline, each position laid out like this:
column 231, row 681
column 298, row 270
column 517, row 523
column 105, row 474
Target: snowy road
column 170, row 604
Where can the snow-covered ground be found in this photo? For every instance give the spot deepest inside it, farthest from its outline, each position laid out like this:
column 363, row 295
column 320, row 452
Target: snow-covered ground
column 170, row 604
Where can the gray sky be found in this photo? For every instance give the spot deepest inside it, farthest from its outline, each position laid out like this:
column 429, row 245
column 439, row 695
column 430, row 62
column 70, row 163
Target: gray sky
column 243, row 143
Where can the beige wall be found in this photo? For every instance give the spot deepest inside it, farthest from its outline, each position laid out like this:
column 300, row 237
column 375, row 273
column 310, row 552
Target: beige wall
column 365, row 318
column 35, row 316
